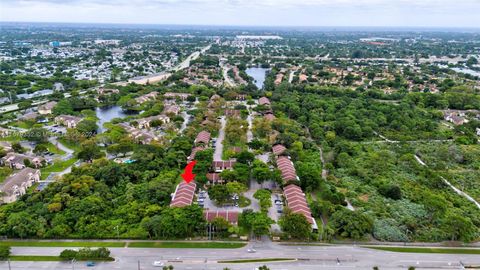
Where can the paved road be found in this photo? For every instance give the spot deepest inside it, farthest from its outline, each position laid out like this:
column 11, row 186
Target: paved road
column 219, row 144
column 309, row 258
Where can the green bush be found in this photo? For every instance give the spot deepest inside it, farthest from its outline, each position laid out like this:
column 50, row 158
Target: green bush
column 4, row 252
column 85, row 254
column 388, row 230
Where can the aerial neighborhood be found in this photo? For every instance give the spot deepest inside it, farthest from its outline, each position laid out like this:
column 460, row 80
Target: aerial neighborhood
column 287, row 137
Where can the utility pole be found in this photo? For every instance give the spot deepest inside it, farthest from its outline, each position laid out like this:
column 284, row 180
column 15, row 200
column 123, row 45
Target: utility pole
column 138, row 264
column 9, row 267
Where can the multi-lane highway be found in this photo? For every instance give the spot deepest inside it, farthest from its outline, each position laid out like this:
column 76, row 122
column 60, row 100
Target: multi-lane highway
column 305, row 258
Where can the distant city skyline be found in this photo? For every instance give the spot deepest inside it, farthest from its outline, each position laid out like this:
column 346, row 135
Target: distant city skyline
column 377, row 13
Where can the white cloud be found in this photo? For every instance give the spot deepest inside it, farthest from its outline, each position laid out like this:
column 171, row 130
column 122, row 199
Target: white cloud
column 249, row 12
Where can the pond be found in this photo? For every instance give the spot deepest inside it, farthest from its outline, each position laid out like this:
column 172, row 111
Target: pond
column 258, row 74
column 106, row 114
column 466, row 71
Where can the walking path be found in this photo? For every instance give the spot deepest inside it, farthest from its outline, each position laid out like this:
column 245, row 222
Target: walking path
column 459, row 192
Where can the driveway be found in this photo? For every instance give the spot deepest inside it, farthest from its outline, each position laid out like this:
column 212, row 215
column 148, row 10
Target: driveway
column 219, row 144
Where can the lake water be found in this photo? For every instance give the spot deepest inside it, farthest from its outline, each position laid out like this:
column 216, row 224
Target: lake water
column 106, row 114
column 258, row 74
column 467, row 71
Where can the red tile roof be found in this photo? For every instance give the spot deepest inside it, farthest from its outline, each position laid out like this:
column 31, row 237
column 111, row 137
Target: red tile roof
column 184, row 194
column 214, row 177
column 269, row 116
column 203, row 137
column 194, row 152
column 286, row 167
column 296, row 201
column 224, row 164
column 230, row 216
column 278, row 149
column 263, row 101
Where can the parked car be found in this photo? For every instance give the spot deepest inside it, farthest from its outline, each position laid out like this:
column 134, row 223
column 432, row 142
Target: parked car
column 158, row 263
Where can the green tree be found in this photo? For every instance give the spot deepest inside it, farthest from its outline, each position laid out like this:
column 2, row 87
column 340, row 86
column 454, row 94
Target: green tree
column 295, row 225
column 351, row 224
column 89, row 151
column 87, row 127
column 219, row 193
column 459, row 227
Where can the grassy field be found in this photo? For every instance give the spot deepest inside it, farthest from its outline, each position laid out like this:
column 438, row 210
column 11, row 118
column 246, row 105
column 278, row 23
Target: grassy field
column 258, row 260
column 60, row 244
column 58, row 166
column 185, row 245
column 53, row 149
column 429, row 250
column 74, row 146
column 4, row 173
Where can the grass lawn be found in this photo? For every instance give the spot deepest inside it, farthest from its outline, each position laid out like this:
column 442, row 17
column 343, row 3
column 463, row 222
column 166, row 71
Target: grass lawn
column 258, row 260
column 60, row 244
column 57, row 166
column 185, row 245
column 74, row 146
column 4, row 173
column 34, row 258
column 429, row 250
column 53, row 149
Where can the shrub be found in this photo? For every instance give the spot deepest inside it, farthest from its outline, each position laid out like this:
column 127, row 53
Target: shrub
column 388, row 230
column 4, row 252
column 85, row 254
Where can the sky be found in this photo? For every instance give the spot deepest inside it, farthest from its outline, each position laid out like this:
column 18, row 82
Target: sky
column 385, row 13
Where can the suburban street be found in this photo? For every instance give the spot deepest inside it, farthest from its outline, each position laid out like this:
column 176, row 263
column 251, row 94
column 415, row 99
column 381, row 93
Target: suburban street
column 306, row 258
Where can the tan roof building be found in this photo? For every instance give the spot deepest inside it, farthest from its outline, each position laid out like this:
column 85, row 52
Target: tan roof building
column 17, row 184
column 46, row 108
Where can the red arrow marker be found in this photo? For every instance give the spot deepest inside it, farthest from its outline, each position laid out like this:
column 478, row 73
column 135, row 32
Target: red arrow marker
column 187, row 175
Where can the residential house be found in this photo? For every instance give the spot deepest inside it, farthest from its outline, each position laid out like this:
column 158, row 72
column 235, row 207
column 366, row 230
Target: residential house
column 184, row 194
column 171, row 109
column 203, row 137
column 194, row 152
column 269, row 116
column 145, row 122
column 232, row 113
column 215, row 178
column 17, row 161
column 32, row 116
column 170, row 95
column 285, row 165
column 278, row 149
column 230, row 216
column 46, row 108
column 296, row 202
column 68, row 121
column 107, row 91
column 264, row 101
column 221, row 165
column 148, row 97
column 17, row 184
column 140, row 136
column 455, row 117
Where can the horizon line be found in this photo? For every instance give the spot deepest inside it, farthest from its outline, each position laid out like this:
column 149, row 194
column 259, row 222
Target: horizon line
column 254, row 26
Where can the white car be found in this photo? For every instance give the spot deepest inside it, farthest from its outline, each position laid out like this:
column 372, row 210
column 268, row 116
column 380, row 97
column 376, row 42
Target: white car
column 251, row 250
column 158, row 263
